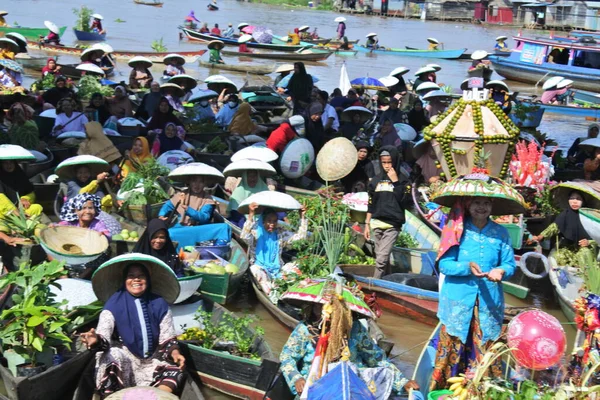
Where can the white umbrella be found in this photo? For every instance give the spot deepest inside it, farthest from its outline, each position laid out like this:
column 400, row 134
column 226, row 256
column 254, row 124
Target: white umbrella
column 184, row 172
column 255, row 152
column 345, row 84
column 276, row 200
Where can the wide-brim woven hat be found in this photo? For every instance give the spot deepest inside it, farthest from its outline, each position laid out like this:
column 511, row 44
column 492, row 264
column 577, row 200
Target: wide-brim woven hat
column 109, row 277
column 140, row 60
column 479, row 55
column 399, row 71
column 560, row 194
column 389, row 81
column 14, row 47
column 73, row 245
column 564, row 83
column 337, row 159
column 505, row 199
column 15, row 153
column 52, row 27
column 179, row 92
column 424, row 70
column 280, row 202
column 185, row 81
column 244, row 38
column 427, row 86
column 497, row 84
column 499, row 38
column 435, row 67
column 67, row 169
column 348, row 113
column 255, row 152
column 216, row 44
column 552, row 82
column 340, row 19
column 174, row 56
column 89, row 67
column 87, row 53
column 284, row 68
column 237, row 168
column 184, row 172
column 372, row 34
column 590, row 144
column 433, row 40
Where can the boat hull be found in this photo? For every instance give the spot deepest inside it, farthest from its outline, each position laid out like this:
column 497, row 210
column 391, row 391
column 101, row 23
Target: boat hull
column 250, row 69
column 31, row 62
column 83, row 36
column 586, row 97
column 567, row 295
column 30, row 33
column 590, row 112
column 148, row 3
column 439, row 54
column 204, row 38
column 320, row 56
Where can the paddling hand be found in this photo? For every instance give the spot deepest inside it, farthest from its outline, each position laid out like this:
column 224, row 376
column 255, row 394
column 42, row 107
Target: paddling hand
column 476, row 270
column 252, row 209
column 90, row 339
column 584, row 243
column 495, row 275
column 411, row 385
column 178, row 359
column 299, row 385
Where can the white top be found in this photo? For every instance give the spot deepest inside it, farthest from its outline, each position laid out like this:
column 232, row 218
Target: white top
column 77, row 124
column 329, row 112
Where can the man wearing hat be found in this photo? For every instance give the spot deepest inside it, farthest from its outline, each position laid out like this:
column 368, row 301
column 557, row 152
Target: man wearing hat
column 394, row 113
column 500, row 44
column 229, row 32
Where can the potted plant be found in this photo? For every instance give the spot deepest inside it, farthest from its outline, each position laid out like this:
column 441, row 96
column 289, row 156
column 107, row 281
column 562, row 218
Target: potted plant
column 18, row 225
column 34, row 326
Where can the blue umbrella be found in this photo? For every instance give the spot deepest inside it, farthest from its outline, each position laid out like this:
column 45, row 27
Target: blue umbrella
column 368, row 83
column 286, row 79
column 12, row 65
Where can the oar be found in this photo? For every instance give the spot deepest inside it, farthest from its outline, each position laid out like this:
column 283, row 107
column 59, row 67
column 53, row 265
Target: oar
column 71, row 120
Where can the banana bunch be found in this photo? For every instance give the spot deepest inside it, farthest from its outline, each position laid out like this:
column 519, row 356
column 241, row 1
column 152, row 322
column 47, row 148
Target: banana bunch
column 458, row 387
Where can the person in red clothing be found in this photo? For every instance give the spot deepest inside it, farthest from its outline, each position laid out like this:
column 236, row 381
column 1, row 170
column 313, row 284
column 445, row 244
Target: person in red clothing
column 242, row 41
column 285, row 133
column 215, row 31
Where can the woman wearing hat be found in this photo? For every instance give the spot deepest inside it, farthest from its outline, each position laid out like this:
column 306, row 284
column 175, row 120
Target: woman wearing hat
column 243, row 48
column 2, row 20
column 283, row 71
column 252, row 181
column 227, row 111
column 174, row 63
column 433, row 44
column 53, row 36
column 83, row 174
column 294, row 38
column 15, row 186
column 156, row 242
column 214, row 51
column 96, row 25
column 501, row 44
column 425, row 74
column 135, row 338
column 8, row 49
column 372, row 41
column 341, row 28
column 140, row 76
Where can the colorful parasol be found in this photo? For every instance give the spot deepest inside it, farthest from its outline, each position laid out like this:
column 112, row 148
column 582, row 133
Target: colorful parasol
column 12, row 65
column 321, row 290
column 587, row 189
column 367, row 82
column 506, row 200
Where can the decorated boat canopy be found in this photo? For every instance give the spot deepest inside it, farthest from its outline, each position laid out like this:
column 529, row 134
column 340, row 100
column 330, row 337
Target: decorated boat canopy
column 337, row 159
column 505, row 199
column 473, row 131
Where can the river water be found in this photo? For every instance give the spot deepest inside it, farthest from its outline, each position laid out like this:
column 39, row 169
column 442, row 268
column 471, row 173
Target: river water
column 145, row 24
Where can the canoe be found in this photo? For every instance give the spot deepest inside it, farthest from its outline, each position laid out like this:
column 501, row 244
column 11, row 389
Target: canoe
column 568, row 294
column 417, row 199
column 230, row 374
column 29, row 33
column 71, row 71
column 589, row 112
column 84, row 36
column 283, row 40
column 31, row 62
column 346, row 53
column 422, row 259
column 205, row 38
column 307, row 55
column 440, row 54
column 250, row 69
column 156, row 57
column 212, row 7
column 56, row 383
column 585, row 97
column 32, row 169
column 149, row 3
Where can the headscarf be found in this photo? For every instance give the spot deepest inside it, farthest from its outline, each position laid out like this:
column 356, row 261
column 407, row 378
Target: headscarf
column 242, row 124
column 243, row 191
column 391, row 138
column 69, row 210
column 150, row 104
column 391, row 151
column 300, row 84
column 125, row 308
column 167, row 254
column 17, row 181
column 19, row 112
column 455, row 225
column 161, row 119
column 97, row 144
column 135, row 160
column 418, row 119
column 167, row 143
column 267, row 246
column 103, row 112
column 569, row 224
column 47, row 70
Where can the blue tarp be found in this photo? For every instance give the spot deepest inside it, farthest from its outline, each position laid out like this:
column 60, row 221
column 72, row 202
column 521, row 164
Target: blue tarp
column 341, row 383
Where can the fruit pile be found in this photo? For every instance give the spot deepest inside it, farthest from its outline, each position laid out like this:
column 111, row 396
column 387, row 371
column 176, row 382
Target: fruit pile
column 129, row 236
column 195, row 334
column 214, row 268
column 457, row 386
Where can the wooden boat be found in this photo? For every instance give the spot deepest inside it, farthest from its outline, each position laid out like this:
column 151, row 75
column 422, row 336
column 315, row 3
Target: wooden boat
column 71, row 71
column 29, row 33
column 34, row 168
column 284, row 40
column 149, row 3
column 212, row 7
column 156, row 57
column 230, row 374
column 576, row 111
column 440, row 54
column 422, row 259
column 581, row 33
column 31, row 62
column 531, row 66
column 84, row 36
column 264, row 99
column 485, row 73
column 584, row 97
column 305, row 55
column 568, row 294
column 56, row 383
column 249, row 69
column 205, row 38
column 346, row 53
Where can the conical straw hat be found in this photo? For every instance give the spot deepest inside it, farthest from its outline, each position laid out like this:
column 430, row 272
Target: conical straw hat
column 15, row 153
column 236, row 168
column 256, row 153
column 141, row 60
column 275, row 200
column 73, row 245
column 336, row 159
column 184, row 172
column 109, row 277
column 67, row 168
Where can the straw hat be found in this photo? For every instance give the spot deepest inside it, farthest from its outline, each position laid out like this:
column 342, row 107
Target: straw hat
column 105, row 47
column 427, row 86
column 284, row 68
column 399, row 71
column 372, row 34
column 174, row 56
column 499, row 38
column 297, row 158
column 67, row 169
column 52, row 27
column 479, row 55
column 436, row 93
column 564, row 83
column 303, row 28
column 245, row 38
column 552, row 82
column 17, row 37
column 276, row 200
column 433, row 40
column 72, row 244
column 171, row 86
column 89, row 67
column 560, row 194
column 15, row 153
column 237, row 168
column 389, row 81
column 216, row 44
column 97, row 16
column 261, row 153
column 2, row 12
column 503, row 85
column 187, row 171
column 184, row 81
column 337, row 159
column 243, row 25
column 188, row 285
column 14, row 47
column 109, row 277
column 424, row 70
column 140, row 60
column 340, row 19
column 435, row 67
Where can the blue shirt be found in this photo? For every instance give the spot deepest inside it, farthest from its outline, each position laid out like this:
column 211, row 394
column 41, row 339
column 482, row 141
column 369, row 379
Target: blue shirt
column 490, row 248
column 225, row 115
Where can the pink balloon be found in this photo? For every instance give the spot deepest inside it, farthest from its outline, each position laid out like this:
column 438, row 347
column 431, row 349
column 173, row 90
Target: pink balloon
column 537, row 338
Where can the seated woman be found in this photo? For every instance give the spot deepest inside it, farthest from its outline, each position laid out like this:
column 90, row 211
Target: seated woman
column 23, row 131
column 119, row 105
column 195, row 209
column 82, row 211
column 298, row 353
column 156, row 242
column 135, row 338
column 51, row 68
column 266, row 242
column 203, row 111
column 577, row 155
column 167, row 140
column 241, row 123
column 84, row 182
column 251, row 182
column 576, row 248
column 417, row 117
column 139, row 154
column 149, row 102
column 140, row 76
column 97, row 109
column 15, row 186
column 67, row 119
column 162, row 116
column 53, row 96
column 350, row 129
column 227, row 111
column 388, row 136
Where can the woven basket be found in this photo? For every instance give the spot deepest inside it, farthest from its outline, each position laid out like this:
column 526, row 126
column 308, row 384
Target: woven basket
column 137, row 213
column 336, row 159
column 73, row 245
